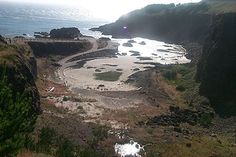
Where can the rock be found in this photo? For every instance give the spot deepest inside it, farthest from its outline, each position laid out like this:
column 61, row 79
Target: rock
column 135, row 53
column 41, row 35
column 127, row 45
column 101, row 85
column 105, row 39
column 42, row 49
column 131, row 41
column 65, row 33
column 142, row 43
column 136, row 69
column 97, row 70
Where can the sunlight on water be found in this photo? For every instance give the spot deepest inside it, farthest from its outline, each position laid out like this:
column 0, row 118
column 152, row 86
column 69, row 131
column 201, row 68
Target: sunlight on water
column 131, row 149
column 159, row 52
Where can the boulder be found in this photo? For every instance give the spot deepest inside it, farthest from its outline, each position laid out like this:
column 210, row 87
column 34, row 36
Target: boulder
column 65, row 33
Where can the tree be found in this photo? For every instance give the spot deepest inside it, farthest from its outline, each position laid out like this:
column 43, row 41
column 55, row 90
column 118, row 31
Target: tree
column 16, row 118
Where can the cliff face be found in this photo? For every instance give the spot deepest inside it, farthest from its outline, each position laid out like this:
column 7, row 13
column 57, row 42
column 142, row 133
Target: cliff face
column 217, row 66
column 172, row 23
column 42, row 49
column 21, row 71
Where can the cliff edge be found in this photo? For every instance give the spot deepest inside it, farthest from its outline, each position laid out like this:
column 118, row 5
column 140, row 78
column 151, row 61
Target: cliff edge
column 217, row 67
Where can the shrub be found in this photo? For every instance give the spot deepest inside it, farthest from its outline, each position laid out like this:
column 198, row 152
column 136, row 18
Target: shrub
column 180, row 88
column 46, row 139
column 65, row 148
column 17, row 118
column 206, row 119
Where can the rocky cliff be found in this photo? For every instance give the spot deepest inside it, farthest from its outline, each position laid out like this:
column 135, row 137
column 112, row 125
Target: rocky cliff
column 217, row 66
column 21, row 71
column 42, row 49
column 172, row 23
column 211, row 24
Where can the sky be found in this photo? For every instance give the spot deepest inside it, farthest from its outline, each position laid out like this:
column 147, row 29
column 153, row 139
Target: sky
column 106, row 9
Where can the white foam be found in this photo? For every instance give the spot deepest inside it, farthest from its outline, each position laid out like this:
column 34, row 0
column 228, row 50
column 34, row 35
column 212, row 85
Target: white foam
column 129, row 149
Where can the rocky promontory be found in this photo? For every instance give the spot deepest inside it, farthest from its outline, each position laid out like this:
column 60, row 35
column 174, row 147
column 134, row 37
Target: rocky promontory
column 65, row 33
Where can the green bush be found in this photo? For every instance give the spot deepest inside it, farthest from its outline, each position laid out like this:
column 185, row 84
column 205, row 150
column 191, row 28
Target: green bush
column 47, row 138
column 100, row 132
column 65, row 148
column 65, row 98
column 17, row 118
column 180, row 88
column 206, row 119
column 169, row 74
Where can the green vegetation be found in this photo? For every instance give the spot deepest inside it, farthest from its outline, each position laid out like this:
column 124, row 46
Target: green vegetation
column 170, row 74
column 108, row 76
column 46, row 139
column 206, row 119
column 183, row 78
column 198, row 146
column 51, row 143
column 65, row 98
column 16, row 118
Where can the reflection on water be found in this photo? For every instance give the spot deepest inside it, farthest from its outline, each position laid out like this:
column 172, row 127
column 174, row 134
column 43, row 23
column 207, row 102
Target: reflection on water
column 131, row 149
column 153, row 51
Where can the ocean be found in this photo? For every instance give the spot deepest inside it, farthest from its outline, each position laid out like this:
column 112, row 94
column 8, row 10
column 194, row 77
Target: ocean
column 19, row 19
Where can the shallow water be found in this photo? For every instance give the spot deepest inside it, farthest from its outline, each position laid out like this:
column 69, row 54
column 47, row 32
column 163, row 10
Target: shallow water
column 158, row 51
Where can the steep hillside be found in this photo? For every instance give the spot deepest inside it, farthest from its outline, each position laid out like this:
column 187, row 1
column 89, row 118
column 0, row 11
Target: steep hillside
column 217, row 67
column 21, row 71
column 175, row 23
column 19, row 97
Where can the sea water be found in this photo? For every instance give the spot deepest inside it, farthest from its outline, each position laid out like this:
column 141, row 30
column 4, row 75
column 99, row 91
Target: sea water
column 18, row 19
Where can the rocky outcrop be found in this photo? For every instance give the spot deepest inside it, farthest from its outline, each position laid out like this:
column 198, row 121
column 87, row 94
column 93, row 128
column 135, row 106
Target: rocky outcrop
column 162, row 22
column 21, row 71
column 42, row 49
column 217, row 67
column 179, row 116
column 65, row 33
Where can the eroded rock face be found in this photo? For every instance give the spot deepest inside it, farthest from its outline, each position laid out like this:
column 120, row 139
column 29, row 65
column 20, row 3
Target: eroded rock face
column 162, row 22
column 65, row 33
column 42, row 49
column 217, row 67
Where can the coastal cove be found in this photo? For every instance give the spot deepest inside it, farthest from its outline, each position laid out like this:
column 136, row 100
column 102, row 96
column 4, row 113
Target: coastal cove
column 99, row 97
column 157, row 82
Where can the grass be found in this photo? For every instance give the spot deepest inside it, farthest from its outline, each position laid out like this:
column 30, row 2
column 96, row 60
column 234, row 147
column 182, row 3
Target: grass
column 50, row 143
column 182, row 77
column 201, row 146
column 108, row 76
